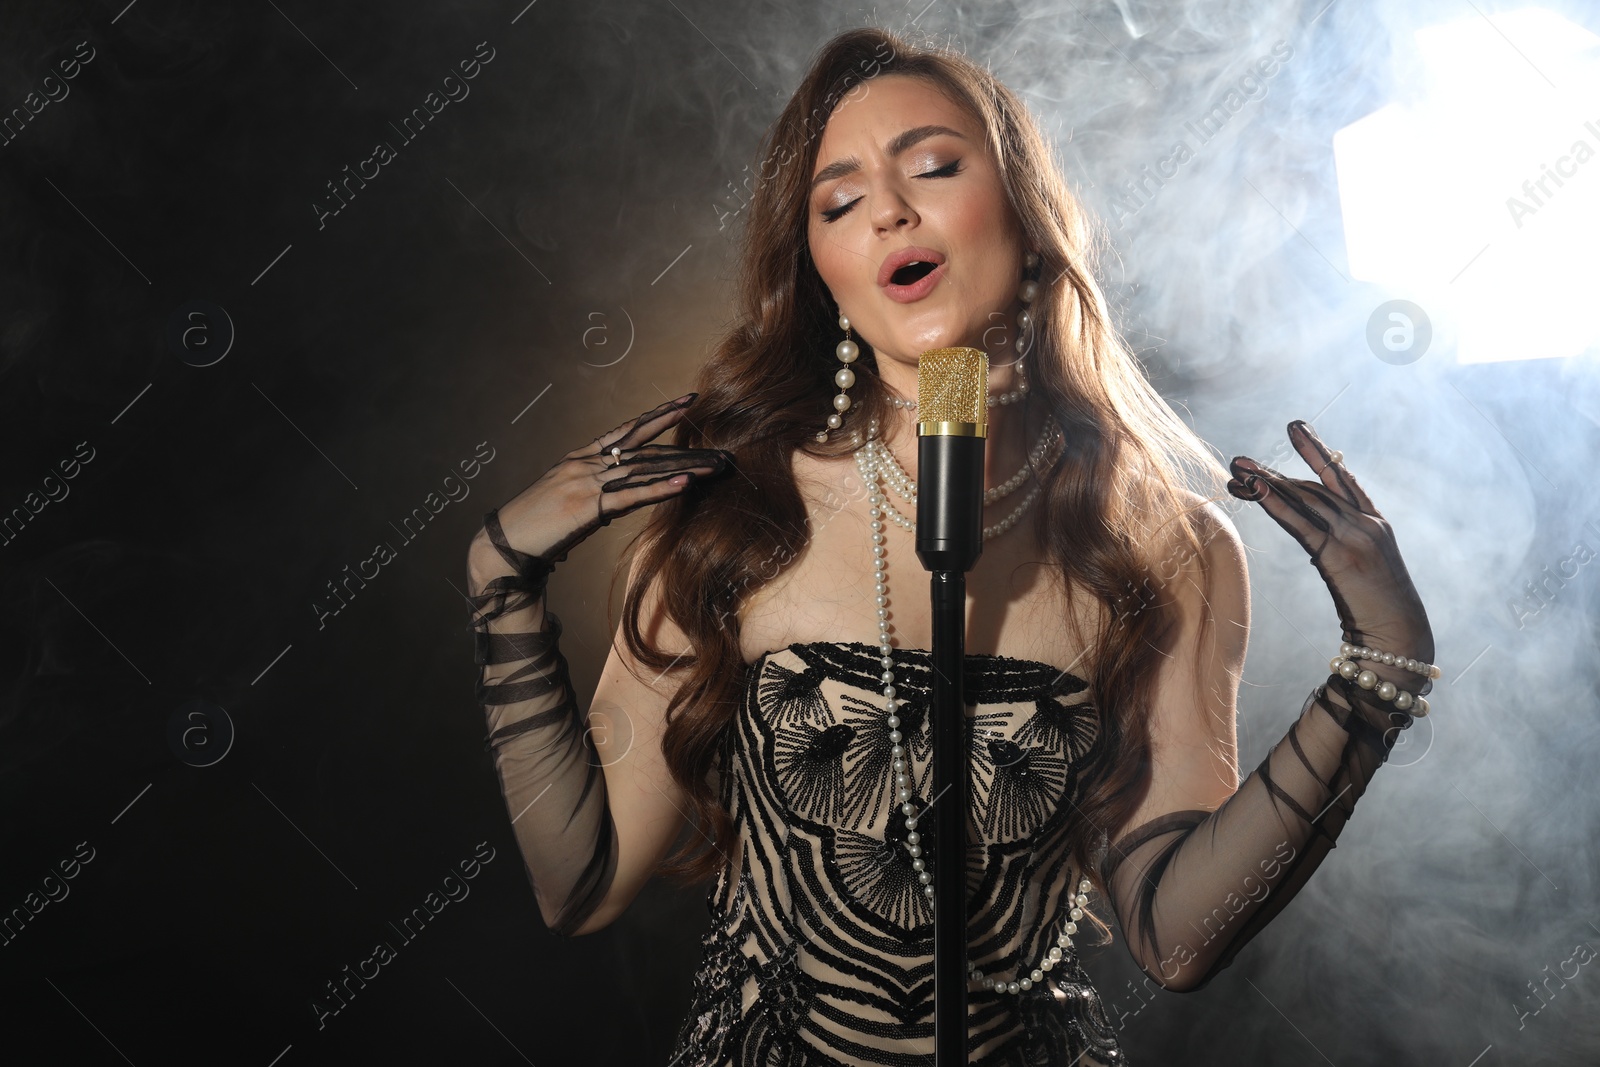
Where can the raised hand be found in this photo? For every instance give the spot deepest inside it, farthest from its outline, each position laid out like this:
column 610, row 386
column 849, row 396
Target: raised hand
column 1349, row 543
column 616, row 473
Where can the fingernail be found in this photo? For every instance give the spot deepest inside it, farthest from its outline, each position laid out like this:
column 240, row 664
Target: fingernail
column 685, row 396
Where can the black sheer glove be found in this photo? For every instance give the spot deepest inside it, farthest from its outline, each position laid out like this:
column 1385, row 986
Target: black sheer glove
column 549, row 768
column 1191, row 888
column 612, row 475
column 1349, row 543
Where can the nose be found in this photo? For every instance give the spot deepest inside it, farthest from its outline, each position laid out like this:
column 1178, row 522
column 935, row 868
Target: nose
column 891, row 211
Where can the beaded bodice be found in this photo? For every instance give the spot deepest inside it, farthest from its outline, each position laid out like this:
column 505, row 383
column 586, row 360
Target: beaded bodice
column 821, row 944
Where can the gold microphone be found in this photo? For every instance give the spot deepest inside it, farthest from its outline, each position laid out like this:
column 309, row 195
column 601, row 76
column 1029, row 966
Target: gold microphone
column 953, row 419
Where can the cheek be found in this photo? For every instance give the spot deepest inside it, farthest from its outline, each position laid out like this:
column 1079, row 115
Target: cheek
column 839, row 267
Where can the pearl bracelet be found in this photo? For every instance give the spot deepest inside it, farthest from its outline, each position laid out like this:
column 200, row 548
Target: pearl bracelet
column 1415, row 666
column 1346, row 665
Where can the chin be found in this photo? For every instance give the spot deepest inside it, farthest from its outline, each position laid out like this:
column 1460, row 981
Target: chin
column 947, row 337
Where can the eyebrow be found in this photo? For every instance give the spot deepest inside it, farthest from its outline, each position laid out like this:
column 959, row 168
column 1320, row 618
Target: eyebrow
column 902, row 141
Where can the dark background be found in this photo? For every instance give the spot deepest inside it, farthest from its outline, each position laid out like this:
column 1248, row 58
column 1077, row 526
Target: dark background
column 548, row 257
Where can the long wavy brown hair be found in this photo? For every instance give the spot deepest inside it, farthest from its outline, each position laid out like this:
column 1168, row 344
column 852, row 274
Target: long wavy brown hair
column 1114, row 513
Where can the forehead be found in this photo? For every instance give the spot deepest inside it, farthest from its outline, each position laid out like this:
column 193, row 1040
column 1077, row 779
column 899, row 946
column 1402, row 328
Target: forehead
column 873, row 111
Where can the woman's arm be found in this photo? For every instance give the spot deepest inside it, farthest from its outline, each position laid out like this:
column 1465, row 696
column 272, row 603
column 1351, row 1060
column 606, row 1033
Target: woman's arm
column 591, row 803
column 1208, row 863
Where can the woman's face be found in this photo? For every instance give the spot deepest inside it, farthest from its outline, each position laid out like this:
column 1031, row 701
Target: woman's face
column 907, row 175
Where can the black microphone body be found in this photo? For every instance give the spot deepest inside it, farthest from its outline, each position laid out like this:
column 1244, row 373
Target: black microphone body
column 949, row 501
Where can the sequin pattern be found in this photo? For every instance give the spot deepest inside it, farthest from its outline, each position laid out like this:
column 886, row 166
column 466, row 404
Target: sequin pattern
column 820, row 950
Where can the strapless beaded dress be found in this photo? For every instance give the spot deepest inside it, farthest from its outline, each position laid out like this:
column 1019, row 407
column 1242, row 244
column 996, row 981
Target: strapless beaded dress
column 820, row 946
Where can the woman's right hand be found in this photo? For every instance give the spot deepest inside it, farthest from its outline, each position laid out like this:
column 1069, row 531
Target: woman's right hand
column 616, row 473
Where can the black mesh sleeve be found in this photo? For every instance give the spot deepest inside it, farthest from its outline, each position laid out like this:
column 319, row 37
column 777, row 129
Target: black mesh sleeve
column 549, row 770
column 1191, row 888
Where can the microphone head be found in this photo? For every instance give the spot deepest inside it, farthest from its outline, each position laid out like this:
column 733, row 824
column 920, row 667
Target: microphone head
column 952, row 392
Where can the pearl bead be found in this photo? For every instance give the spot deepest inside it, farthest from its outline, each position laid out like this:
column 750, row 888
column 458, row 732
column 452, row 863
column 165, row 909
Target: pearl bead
column 1030, row 260
column 841, row 403
column 1024, row 319
column 844, row 323
column 845, row 378
column 1387, row 690
column 1366, row 679
column 847, row 351
column 1028, row 291
column 1402, row 700
column 834, row 421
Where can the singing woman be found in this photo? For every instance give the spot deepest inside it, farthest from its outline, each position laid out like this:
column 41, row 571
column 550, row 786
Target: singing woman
column 770, row 685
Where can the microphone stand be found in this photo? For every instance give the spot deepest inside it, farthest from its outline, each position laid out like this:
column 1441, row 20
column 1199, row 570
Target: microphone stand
column 949, row 540
column 951, row 797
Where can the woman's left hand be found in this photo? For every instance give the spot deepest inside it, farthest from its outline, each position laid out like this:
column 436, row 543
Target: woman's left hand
column 1349, row 543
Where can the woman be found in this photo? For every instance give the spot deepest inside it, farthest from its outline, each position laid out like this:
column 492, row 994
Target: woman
column 771, row 681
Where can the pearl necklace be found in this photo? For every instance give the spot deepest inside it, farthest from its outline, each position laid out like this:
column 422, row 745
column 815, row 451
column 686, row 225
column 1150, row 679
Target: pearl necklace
column 897, row 477
column 870, row 460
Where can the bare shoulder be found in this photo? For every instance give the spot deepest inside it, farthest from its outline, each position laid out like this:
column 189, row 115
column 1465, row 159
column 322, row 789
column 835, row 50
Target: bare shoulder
column 1215, row 594
column 1220, row 543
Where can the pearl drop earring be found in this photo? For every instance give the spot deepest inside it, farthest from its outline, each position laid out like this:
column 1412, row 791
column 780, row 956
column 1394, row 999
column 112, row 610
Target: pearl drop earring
column 1027, row 292
column 848, row 352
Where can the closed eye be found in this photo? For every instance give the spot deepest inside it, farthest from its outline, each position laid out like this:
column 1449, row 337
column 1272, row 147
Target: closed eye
column 949, row 170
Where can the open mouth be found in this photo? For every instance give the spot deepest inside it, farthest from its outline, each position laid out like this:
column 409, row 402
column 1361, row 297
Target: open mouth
column 911, row 273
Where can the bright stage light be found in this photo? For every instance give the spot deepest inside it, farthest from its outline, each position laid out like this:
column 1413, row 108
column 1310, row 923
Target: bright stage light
column 1479, row 194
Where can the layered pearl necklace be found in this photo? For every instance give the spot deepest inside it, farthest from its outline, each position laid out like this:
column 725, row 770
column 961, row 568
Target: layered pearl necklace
column 889, row 468
column 875, row 460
